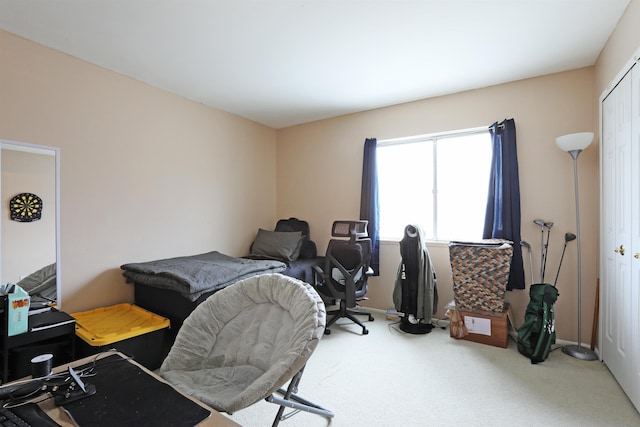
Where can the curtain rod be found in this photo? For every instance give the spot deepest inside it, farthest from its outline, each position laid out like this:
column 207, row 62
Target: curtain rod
column 409, row 139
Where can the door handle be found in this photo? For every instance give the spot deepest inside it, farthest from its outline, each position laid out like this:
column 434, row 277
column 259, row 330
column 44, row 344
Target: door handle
column 619, row 250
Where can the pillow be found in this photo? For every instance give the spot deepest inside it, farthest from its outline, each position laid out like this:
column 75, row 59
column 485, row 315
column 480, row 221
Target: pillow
column 308, row 248
column 284, row 245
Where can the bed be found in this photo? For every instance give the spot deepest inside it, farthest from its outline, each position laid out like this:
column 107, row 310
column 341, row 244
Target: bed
column 174, row 287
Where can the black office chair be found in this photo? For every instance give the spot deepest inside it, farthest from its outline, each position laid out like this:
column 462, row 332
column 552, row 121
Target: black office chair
column 345, row 271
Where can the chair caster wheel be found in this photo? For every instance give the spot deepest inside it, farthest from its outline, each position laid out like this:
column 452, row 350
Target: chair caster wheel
column 327, row 332
column 365, row 332
column 371, row 318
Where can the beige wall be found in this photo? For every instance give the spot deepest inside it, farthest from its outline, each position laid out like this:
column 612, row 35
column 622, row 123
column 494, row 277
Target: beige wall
column 543, row 108
column 144, row 174
column 319, row 172
column 620, row 48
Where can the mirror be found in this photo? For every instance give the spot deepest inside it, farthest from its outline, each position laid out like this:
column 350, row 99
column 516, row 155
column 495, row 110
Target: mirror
column 30, row 250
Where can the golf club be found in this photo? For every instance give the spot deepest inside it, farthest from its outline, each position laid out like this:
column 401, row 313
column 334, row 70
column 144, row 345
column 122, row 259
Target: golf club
column 540, row 222
column 547, row 225
column 528, row 246
column 568, row 237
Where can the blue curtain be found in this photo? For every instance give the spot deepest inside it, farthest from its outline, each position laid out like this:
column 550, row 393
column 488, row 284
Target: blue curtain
column 502, row 219
column 369, row 202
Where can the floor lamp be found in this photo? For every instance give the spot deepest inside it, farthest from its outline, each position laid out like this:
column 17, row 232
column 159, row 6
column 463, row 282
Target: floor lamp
column 573, row 144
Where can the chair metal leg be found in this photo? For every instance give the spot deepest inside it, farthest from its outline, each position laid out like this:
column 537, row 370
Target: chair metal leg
column 291, row 400
column 349, row 314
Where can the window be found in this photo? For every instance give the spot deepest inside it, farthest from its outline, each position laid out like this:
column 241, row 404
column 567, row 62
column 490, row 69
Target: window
column 439, row 182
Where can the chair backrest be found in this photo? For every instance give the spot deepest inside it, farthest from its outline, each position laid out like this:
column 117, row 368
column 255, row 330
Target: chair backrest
column 347, row 262
column 354, row 230
column 308, row 248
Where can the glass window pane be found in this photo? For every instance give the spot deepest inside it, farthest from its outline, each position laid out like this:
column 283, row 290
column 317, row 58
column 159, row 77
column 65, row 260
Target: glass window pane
column 463, row 180
column 450, row 208
column 405, row 178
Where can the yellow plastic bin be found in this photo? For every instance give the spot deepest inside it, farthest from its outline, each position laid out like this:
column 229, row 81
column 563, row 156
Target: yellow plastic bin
column 125, row 327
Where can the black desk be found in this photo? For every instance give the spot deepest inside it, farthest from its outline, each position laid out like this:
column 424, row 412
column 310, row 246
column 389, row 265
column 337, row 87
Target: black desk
column 18, row 350
column 127, row 397
column 104, row 410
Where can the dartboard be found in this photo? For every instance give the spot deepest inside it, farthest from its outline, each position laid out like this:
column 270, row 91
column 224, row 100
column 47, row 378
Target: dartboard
column 25, row 207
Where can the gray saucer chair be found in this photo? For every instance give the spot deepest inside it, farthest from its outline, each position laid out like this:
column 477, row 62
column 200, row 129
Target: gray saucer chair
column 242, row 344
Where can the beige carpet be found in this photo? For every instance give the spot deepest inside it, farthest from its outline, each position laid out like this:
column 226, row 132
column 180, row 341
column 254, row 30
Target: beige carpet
column 389, row 378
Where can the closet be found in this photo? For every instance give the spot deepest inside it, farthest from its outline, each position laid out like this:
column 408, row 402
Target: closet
column 620, row 232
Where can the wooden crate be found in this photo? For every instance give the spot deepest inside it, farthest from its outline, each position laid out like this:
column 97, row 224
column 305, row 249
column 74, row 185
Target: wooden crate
column 488, row 327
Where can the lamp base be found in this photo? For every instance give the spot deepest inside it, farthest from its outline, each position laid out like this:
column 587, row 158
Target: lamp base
column 580, row 352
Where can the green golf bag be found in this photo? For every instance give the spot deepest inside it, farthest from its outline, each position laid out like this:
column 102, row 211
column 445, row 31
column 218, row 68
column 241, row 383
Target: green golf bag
column 538, row 333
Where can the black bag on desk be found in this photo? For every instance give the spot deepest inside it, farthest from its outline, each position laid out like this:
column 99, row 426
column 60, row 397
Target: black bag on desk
column 538, row 333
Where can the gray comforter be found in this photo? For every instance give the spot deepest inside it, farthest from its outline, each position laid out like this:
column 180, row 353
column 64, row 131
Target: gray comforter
column 195, row 275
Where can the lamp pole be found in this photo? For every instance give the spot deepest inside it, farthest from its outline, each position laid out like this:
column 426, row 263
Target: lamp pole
column 578, row 351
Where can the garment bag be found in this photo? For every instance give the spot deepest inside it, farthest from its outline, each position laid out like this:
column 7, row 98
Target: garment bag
column 415, row 294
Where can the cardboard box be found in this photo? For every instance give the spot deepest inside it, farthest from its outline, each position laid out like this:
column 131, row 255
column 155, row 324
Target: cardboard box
column 487, row 327
column 125, row 327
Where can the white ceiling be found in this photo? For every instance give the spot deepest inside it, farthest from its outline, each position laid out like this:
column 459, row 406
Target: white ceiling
column 285, row 62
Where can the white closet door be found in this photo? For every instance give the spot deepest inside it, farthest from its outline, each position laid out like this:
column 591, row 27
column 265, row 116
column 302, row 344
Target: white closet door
column 608, row 226
column 621, row 272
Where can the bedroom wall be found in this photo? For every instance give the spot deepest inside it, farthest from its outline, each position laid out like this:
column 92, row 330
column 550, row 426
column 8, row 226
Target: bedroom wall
column 320, row 163
column 623, row 43
column 144, row 174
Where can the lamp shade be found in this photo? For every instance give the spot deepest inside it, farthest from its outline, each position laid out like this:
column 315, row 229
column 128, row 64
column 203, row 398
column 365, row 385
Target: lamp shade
column 574, row 141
